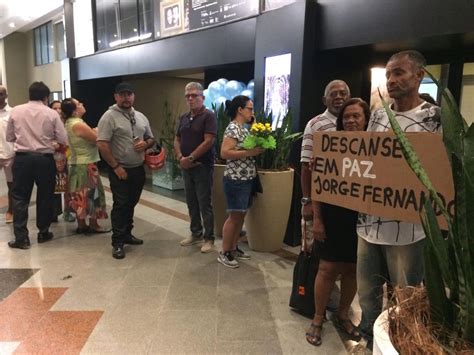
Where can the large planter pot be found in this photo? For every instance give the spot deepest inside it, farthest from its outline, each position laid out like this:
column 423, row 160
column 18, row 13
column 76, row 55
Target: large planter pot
column 382, row 343
column 219, row 203
column 267, row 219
column 169, row 177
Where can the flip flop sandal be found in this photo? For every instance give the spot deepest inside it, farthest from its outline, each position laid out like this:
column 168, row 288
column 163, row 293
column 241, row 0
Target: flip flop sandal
column 341, row 323
column 311, row 335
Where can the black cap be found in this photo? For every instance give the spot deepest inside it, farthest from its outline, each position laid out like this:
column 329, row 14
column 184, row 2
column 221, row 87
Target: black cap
column 124, row 87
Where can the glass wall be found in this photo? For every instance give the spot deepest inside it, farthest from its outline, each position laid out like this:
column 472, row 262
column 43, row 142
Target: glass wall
column 83, row 28
column 107, row 23
column 121, row 22
column 43, row 43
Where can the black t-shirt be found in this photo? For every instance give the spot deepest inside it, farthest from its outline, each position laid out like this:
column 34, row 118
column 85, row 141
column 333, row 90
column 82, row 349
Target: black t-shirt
column 191, row 132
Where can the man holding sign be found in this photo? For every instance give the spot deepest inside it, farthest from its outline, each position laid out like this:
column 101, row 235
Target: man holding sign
column 387, row 248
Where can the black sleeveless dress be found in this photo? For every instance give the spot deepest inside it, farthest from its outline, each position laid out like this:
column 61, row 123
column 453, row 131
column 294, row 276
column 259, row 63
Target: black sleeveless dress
column 341, row 235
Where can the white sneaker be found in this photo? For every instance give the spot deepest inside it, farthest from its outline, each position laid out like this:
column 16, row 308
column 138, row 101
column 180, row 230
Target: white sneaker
column 191, row 240
column 240, row 254
column 208, row 246
column 227, row 259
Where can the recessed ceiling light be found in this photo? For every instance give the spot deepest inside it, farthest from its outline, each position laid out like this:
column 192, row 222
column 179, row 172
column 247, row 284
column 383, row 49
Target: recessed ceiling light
column 11, row 24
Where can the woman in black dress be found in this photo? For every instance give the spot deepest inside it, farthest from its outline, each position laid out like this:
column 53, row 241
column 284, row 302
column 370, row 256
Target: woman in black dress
column 338, row 250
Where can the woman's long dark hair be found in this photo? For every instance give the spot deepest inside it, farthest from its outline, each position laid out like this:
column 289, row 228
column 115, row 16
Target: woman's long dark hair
column 68, row 106
column 231, row 107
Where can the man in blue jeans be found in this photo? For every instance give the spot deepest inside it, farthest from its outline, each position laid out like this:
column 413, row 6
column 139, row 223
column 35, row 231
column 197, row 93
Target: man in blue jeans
column 389, row 249
column 123, row 136
column 194, row 148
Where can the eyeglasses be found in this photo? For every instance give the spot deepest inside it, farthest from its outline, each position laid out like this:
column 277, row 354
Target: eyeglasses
column 249, row 108
column 191, row 96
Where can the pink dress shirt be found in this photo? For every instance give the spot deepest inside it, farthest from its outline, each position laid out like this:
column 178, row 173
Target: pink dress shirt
column 34, row 127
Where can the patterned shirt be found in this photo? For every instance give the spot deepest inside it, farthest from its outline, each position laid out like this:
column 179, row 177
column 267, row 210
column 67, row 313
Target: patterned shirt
column 423, row 118
column 323, row 122
column 239, row 169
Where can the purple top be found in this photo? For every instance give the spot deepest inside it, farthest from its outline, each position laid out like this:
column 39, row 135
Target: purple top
column 34, row 127
column 191, row 132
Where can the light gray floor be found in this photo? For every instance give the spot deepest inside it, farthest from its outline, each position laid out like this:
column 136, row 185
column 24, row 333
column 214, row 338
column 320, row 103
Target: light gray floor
column 164, row 298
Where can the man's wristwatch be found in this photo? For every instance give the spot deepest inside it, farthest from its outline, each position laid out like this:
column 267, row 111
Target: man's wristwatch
column 305, row 200
column 191, row 157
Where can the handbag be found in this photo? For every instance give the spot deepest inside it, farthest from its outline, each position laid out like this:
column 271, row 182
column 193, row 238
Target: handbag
column 304, row 275
column 257, row 186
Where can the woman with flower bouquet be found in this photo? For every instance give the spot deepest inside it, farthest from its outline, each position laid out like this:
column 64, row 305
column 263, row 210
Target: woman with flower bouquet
column 239, row 176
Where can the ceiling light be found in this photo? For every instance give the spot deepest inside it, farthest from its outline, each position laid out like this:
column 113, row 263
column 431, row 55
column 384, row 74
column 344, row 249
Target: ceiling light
column 11, row 25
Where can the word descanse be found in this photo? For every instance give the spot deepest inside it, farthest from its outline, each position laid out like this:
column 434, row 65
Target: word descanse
column 360, row 146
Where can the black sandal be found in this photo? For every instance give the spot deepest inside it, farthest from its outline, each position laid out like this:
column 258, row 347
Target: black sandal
column 311, row 335
column 341, row 323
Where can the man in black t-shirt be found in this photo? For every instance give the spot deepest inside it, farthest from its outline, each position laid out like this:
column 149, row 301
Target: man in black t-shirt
column 194, row 148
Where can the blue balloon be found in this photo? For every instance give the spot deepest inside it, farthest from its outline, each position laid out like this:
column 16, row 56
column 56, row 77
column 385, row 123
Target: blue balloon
column 242, row 85
column 232, row 89
column 208, row 102
column 206, row 92
column 215, row 89
column 251, row 85
column 219, row 101
column 247, row 92
column 222, row 81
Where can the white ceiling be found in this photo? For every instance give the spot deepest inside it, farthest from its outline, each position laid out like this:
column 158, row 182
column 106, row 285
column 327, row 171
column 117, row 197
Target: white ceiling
column 23, row 15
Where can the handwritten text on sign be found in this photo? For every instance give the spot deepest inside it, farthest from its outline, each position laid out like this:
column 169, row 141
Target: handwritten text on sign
column 366, row 172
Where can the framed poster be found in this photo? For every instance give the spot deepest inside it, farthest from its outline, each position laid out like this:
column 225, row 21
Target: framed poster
column 171, row 17
column 277, row 87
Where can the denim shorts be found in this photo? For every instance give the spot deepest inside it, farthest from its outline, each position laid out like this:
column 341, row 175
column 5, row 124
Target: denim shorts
column 238, row 194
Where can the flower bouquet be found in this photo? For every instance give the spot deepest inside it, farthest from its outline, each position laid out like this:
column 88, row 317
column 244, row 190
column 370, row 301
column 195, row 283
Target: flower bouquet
column 260, row 136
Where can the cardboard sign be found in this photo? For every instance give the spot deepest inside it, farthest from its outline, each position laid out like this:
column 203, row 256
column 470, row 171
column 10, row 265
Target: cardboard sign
column 366, row 172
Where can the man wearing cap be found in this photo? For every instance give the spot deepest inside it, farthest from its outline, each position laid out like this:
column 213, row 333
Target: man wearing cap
column 123, row 136
column 35, row 129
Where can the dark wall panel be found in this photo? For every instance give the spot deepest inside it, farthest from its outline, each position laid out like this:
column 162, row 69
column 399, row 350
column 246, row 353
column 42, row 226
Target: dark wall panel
column 230, row 43
column 359, row 22
column 278, row 32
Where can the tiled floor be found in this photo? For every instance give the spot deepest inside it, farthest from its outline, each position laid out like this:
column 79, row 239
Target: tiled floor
column 69, row 295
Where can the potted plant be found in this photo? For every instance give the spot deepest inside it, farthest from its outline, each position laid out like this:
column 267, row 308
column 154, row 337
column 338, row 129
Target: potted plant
column 218, row 199
column 267, row 219
column 445, row 306
column 170, row 177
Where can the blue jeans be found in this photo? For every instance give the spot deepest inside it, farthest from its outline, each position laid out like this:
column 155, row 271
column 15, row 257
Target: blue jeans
column 402, row 265
column 238, row 194
column 198, row 189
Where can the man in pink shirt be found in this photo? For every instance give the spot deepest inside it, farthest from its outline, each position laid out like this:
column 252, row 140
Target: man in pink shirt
column 34, row 128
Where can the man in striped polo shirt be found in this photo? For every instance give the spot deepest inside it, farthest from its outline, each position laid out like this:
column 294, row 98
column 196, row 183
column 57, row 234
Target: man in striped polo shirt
column 335, row 94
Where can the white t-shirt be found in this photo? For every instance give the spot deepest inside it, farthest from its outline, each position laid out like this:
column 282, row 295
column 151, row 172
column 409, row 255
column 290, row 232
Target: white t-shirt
column 239, row 169
column 323, row 122
column 6, row 148
column 377, row 230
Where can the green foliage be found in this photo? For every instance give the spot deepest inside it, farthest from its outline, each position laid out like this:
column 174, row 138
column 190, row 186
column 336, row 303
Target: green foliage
column 278, row 158
column 449, row 260
column 169, row 116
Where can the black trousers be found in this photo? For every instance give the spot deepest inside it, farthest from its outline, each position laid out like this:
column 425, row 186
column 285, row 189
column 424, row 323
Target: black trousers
column 29, row 169
column 125, row 194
